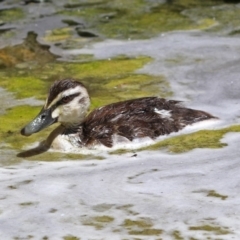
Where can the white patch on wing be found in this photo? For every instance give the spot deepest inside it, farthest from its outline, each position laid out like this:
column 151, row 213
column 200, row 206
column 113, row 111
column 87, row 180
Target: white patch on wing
column 116, row 118
column 164, row 113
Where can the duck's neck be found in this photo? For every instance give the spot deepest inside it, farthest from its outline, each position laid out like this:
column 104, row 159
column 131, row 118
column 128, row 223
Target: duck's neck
column 71, row 127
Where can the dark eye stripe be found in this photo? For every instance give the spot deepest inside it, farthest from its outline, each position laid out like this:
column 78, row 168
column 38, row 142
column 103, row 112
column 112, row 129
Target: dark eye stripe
column 67, row 99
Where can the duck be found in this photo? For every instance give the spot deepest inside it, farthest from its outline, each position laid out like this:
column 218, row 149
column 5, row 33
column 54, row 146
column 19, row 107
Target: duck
column 68, row 103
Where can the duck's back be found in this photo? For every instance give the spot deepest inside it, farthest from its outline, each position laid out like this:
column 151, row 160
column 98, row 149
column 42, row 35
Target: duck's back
column 138, row 118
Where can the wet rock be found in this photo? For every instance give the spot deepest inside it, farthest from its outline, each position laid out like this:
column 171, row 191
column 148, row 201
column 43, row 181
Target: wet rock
column 30, row 50
column 86, row 34
column 84, row 4
column 4, row 30
column 70, row 22
column 35, row 1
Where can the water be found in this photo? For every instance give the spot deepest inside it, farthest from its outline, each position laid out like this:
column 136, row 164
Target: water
column 139, row 194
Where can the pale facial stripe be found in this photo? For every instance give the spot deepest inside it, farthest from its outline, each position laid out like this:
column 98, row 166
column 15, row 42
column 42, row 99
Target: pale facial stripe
column 67, row 92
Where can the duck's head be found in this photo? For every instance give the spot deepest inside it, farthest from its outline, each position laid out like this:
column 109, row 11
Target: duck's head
column 67, row 103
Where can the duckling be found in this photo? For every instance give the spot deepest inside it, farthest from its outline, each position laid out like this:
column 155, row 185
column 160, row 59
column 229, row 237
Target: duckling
column 68, row 103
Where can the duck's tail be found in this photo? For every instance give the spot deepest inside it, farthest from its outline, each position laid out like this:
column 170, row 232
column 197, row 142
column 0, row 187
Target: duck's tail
column 190, row 116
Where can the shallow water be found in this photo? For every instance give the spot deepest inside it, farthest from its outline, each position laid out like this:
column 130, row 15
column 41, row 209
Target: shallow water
column 146, row 194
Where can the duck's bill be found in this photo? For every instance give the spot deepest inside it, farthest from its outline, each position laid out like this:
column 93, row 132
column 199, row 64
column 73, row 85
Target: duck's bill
column 43, row 120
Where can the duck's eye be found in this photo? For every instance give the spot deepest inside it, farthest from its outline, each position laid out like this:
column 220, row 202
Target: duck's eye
column 66, row 99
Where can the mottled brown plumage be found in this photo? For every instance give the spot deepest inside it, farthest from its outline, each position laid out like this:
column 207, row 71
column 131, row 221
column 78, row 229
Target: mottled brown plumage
column 137, row 119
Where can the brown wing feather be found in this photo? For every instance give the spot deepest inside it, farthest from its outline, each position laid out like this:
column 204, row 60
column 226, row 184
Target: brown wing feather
column 136, row 119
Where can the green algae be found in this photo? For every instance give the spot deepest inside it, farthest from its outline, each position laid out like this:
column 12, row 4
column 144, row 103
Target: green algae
column 141, row 226
column 24, row 86
column 146, row 232
column 13, row 121
column 71, row 237
column 107, row 69
column 114, row 80
column 98, row 222
column 225, row 17
column 187, row 142
column 60, row 156
column 11, row 14
column 196, row 3
column 103, row 219
column 98, row 76
column 200, row 139
column 133, row 85
column 177, row 235
column 209, row 228
column 27, row 204
column 59, row 34
column 7, row 33
column 213, row 193
column 136, row 19
column 136, row 82
column 141, row 223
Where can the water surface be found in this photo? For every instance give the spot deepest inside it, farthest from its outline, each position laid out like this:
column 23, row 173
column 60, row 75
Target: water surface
column 186, row 188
